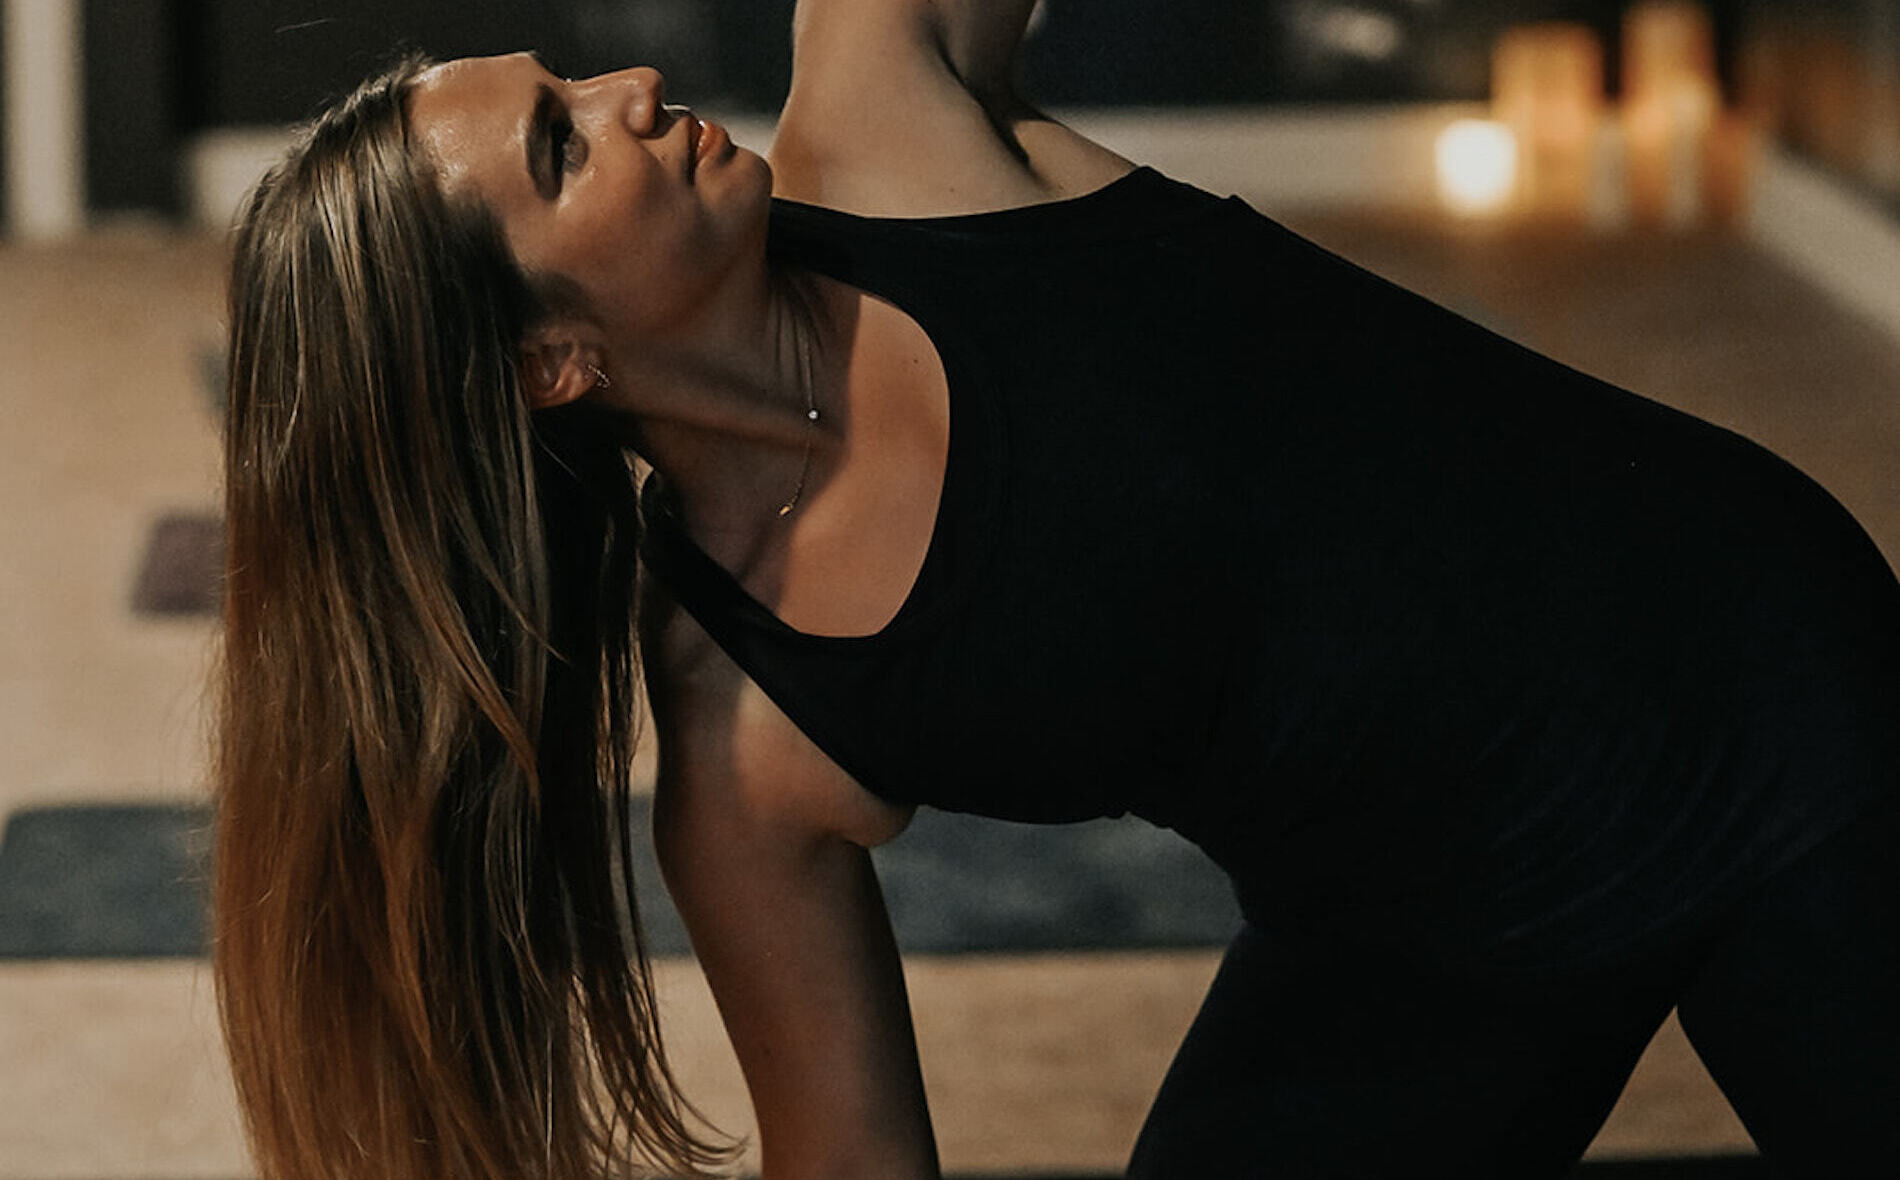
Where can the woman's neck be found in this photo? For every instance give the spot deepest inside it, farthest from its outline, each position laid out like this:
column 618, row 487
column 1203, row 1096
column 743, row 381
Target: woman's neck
column 743, row 418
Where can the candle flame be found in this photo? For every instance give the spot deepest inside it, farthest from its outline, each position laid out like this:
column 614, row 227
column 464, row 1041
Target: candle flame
column 1477, row 166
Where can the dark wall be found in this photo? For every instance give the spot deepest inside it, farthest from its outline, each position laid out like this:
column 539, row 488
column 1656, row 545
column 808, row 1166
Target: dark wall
column 159, row 70
column 131, row 106
column 262, row 61
column 267, row 61
column 276, row 61
column 1093, row 52
column 6, row 213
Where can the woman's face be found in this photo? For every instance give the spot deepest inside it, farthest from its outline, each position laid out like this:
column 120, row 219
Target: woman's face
column 647, row 209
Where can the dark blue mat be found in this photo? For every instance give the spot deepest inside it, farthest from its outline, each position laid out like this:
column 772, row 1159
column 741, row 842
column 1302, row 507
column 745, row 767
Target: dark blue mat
column 959, row 883
column 1721, row 1167
column 112, row 882
column 128, row 882
column 182, row 572
column 1715, row 1168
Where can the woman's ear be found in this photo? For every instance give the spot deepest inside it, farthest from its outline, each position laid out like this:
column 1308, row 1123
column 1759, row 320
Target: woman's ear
column 560, row 363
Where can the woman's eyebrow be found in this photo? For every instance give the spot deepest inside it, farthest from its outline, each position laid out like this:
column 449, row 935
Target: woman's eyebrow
column 540, row 145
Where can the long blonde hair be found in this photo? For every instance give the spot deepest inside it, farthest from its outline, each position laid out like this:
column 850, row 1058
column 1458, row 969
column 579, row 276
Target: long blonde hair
column 427, row 957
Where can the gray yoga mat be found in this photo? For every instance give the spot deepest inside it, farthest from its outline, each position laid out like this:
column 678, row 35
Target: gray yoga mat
column 128, row 881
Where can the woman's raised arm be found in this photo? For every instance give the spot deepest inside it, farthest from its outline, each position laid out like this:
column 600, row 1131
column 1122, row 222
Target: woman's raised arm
column 977, row 39
column 909, row 108
column 762, row 841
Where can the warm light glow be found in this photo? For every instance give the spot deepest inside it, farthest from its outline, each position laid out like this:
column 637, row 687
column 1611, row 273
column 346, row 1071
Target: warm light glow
column 1671, row 102
column 1547, row 85
column 1665, row 44
column 1477, row 166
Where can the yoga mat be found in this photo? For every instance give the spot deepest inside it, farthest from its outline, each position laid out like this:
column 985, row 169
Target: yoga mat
column 128, row 881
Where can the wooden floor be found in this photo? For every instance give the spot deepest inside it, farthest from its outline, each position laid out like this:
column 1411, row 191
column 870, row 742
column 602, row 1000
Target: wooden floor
column 109, row 1070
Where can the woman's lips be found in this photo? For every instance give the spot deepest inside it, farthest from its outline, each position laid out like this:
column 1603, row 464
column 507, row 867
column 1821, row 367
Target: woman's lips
column 708, row 140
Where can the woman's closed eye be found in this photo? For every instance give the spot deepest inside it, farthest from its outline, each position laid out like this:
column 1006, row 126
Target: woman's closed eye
column 555, row 147
column 567, row 149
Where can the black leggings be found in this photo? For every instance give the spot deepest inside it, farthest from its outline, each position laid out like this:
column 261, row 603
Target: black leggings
column 1297, row 1069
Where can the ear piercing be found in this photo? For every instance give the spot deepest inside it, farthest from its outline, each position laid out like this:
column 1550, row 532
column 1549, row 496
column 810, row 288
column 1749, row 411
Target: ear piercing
column 600, row 378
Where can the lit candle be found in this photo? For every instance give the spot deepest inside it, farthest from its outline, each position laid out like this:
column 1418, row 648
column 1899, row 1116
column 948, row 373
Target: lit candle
column 1670, row 104
column 1477, row 167
column 1547, row 85
column 1667, row 42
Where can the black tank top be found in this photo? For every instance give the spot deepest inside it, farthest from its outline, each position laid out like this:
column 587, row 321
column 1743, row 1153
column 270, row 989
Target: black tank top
column 1438, row 647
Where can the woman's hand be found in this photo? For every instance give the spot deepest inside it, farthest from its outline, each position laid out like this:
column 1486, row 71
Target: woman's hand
column 763, row 843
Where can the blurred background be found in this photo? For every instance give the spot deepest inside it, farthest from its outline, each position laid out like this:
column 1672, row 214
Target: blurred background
column 126, row 93
column 1700, row 202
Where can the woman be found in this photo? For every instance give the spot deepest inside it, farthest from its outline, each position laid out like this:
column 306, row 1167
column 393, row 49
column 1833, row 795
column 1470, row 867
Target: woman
column 995, row 473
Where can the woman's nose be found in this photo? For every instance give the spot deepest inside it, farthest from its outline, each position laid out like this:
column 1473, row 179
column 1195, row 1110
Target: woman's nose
column 641, row 93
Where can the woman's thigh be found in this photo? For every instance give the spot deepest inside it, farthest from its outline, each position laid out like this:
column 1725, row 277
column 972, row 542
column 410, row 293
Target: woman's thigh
column 1298, row 1068
column 1796, row 1011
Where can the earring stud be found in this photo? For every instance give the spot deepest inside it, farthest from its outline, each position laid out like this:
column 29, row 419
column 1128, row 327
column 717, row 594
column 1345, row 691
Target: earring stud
column 600, row 378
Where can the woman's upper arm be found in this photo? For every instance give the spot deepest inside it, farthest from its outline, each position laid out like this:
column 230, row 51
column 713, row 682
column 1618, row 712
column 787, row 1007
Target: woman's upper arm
column 905, row 107
column 975, row 39
column 766, row 866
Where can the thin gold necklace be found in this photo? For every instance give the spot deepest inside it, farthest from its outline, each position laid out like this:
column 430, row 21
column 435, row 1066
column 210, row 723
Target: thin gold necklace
column 811, row 425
